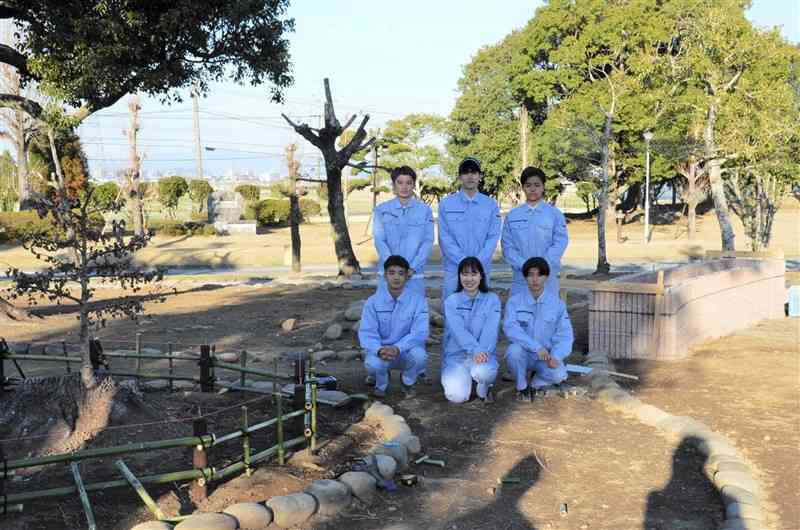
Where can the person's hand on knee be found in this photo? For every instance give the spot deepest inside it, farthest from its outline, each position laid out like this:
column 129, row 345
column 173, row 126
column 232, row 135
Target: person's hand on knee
column 552, row 363
column 388, row 353
column 481, row 357
column 544, row 355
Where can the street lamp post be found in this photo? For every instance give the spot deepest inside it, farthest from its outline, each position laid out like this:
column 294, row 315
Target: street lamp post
column 648, row 135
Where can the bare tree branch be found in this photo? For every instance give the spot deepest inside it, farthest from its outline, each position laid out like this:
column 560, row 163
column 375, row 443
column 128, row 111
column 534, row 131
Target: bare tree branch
column 10, row 56
column 14, row 102
column 305, row 131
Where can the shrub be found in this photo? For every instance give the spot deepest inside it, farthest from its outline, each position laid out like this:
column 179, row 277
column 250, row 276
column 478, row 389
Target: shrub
column 170, row 190
column 250, row 192
column 309, row 208
column 105, row 194
column 17, row 226
column 208, row 230
column 199, row 190
column 168, row 228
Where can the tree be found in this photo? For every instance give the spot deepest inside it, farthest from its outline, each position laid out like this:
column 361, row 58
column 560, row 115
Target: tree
column 91, row 54
column 249, row 192
column 199, row 190
column 293, row 165
column 484, row 122
column 132, row 177
column 412, row 141
column 105, row 195
column 8, row 182
column 72, row 159
column 100, row 256
column 170, row 191
column 324, row 139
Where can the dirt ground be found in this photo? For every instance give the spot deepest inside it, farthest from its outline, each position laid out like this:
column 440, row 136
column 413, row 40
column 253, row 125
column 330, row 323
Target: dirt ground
column 568, row 455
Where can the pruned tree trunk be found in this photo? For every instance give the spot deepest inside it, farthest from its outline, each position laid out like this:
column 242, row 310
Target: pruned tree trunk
column 603, row 266
column 134, row 195
column 335, row 160
column 714, row 166
column 294, row 205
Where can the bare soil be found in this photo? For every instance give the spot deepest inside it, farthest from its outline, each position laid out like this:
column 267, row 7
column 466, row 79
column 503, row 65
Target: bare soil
column 609, row 471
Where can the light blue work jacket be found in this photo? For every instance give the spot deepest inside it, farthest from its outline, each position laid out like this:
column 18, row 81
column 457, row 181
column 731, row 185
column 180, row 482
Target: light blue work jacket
column 401, row 322
column 539, row 323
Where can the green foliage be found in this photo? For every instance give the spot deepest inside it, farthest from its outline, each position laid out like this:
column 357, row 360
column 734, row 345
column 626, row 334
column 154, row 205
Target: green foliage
column 279, row 189
column 250, row 192
column 275, row 212
column 74, row 164
column 484, row 121
column 16, row 227
column 177, row 229
column 170, row 190
column 199, row 190
column 433, row 189
column 309, row 208
column 414, row 141
column 90, row 54
column 587, row 192
column 356, row 184
column 105, row 194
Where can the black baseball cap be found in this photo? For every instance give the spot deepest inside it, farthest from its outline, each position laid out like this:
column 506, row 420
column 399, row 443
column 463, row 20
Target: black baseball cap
column 468, row 165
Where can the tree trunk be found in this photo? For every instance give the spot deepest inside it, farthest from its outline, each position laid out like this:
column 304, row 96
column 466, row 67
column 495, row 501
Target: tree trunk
column 715, row 179
column 8, row 310
column 603, row 266
column 22, row 172
column 346, row 258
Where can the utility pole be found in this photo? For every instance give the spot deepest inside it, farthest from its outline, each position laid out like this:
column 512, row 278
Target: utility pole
column 374, row 184
column 198, row 150
column 294, row 205
column 134, row 194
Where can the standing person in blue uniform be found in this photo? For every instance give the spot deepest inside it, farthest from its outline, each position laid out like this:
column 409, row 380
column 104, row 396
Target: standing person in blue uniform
column 403, row 226
column 535, row 228
column 394, row 328
column 472, row 318
column 469, row 225
column 539, row 332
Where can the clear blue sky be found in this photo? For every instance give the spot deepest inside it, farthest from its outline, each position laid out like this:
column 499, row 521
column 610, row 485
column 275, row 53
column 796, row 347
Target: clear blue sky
column 385, row 58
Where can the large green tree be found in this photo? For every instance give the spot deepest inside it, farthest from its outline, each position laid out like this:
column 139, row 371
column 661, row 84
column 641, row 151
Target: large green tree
column 416, row 141
column 484, row 122
column 91, row 53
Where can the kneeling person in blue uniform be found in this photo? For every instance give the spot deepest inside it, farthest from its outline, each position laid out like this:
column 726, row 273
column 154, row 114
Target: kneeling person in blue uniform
column 539, row 331
column 394, row 328
column 472, row 317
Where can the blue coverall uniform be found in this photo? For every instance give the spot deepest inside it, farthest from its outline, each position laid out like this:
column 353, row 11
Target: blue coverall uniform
column 467, row 227
column 404, row 231
column 401, row 322
column 530, row 232
column 530, row 325
column 472, row 327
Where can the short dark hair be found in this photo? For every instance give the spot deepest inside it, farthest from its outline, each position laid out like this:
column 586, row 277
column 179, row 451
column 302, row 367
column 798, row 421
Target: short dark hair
column 396, row 261
column 538, row 263
column 529, row 172
column 469, row 165
column 403, row 170
column 473, row 264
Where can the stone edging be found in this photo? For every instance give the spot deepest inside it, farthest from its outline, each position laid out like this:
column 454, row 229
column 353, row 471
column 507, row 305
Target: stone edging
column 323, row 497
column 725, row 467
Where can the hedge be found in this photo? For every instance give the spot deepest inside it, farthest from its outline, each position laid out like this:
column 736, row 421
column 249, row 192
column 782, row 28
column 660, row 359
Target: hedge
column 275, row 212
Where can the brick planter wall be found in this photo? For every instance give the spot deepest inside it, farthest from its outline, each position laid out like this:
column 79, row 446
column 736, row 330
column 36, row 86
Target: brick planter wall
column 700, row 301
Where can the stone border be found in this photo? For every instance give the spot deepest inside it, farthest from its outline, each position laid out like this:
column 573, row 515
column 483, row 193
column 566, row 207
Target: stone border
column 323, row 498
column 725, row 467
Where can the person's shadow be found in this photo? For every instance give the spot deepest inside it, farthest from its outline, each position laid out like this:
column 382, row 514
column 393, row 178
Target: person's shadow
column 689, row 500
column 503, row 512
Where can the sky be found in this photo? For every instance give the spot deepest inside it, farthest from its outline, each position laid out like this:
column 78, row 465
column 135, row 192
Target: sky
column 387, row 59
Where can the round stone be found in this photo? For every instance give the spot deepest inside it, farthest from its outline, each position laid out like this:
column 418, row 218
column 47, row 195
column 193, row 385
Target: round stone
column 208, row 521
column 734, row 478
column 387, row 466
column 292, row 510
column 361, row 484
column 737, row 494
column 394, row 426
column 153, row 525
column 228, row 357
column 331, row 495
column 411, row 443
column 650, row 415
column 251, row 515
column 333, row 332
column 396, row 450
column 377, row 413
column 742, row 511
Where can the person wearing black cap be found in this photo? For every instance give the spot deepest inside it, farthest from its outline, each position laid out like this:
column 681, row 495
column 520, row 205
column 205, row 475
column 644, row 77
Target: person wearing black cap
column 469, row 225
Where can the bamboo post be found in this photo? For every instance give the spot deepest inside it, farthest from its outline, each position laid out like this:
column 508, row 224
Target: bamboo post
column 139, row 489
column 199, row 489
column 206, row 385
column 87, row 508
column 246, row 442
column 138, row 358
column 243, row 363
column 2, row 389
column 171, row 367
column 63, row 349
column 313, row 409
column 279, row 428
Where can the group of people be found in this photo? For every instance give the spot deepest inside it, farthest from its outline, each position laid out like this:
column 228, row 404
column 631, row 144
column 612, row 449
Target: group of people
column 394, row 323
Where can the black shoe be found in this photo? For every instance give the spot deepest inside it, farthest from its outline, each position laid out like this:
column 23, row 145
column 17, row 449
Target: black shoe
column 409, row 391
column 424, row 379
column 523, row 395
column 507, row 377
column 490, row 397
column 376, row 392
